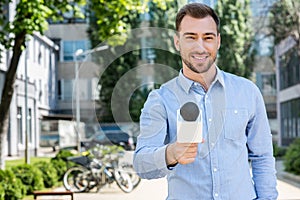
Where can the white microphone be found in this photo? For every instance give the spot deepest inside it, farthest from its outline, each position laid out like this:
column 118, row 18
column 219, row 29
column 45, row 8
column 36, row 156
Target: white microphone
column 189, row 123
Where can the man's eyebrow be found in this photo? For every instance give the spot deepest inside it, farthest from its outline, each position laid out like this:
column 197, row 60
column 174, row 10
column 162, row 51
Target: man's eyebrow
column 211, row 33
column 192, row 33
column 189, row 33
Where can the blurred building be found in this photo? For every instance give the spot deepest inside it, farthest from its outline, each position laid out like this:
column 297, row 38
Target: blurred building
column 34, row 90
column 288, row 89
column 71, row 36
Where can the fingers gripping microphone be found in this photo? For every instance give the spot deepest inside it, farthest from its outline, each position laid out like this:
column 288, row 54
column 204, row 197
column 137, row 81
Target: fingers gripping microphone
column 189, row 123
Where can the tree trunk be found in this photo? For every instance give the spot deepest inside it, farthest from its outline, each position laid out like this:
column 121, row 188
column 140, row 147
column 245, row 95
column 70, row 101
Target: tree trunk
column 7, row 93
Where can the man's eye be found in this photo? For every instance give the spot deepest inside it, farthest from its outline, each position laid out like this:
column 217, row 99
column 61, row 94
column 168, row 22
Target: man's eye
column 209, row 38
column 190, row 37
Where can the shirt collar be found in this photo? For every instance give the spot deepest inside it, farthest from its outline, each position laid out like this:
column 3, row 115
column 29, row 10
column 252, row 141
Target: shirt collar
column 187, row 83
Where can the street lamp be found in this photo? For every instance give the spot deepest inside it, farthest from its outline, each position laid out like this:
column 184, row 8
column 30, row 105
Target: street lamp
column 80, row 52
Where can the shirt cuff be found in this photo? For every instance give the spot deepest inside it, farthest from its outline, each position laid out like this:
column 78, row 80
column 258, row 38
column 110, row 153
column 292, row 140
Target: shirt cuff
column 160, row 160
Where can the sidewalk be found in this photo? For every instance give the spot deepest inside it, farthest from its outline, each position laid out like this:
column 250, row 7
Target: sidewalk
column 285, row 176
column 288, row 186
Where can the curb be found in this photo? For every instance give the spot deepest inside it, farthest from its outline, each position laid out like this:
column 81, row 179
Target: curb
column 286, row 176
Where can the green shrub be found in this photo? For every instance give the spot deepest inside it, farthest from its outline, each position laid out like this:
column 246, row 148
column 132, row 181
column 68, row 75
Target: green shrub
column 292, row 157
column 60, row 167
column 60, row 162
column 279, row 152
column 49, row 173
column 63, row 154
column 11, row 188
column 30, row 176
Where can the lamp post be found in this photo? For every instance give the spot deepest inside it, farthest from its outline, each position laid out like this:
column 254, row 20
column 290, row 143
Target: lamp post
column 27, row 152
column 80, row 52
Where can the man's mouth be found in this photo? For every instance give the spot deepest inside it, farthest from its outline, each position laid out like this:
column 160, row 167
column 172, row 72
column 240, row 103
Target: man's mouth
column 199, row 57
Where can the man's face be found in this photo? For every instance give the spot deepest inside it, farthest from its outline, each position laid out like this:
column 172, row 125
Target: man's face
column 198, row 42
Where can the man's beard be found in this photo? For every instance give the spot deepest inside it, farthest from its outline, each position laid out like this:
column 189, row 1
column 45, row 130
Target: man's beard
column 194, row 69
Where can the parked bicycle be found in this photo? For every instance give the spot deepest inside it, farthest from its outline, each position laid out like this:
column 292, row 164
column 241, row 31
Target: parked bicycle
column 90, row 173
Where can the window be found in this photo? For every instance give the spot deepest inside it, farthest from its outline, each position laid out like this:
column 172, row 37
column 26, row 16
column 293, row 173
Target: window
column 29, row 118
column 289, row 68
column 290, row 120
column 88, row 89
column 70, row 47
column 65, row 89
column 19, row 125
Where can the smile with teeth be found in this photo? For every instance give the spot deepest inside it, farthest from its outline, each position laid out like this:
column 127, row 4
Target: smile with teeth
column 200, row 58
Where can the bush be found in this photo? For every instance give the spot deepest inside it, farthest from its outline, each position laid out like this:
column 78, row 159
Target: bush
column 63, row 154
column 30, row 176
column 10, row 186
column 292, row 157
column 60, row 162
column 60, row 167
column 279, row 152
column 49, row 173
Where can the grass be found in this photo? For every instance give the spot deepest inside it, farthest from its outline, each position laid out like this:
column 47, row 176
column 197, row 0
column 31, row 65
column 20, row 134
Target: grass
column 11, row 163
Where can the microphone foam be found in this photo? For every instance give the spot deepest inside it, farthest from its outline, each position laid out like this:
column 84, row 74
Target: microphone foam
column 189, row 111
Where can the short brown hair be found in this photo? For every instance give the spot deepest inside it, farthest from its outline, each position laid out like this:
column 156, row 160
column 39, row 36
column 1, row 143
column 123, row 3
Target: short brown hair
column 196, row 10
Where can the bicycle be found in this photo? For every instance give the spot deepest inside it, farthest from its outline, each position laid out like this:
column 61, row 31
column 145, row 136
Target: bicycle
column 91, row 172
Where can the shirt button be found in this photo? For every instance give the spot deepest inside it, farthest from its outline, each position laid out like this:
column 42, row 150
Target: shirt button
column 209, row 119
column 215, row 169
column 216, row 194
column 235, row 111
column 212, row 144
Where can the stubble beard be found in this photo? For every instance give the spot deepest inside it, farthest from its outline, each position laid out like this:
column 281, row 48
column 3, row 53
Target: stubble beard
column 204, row 67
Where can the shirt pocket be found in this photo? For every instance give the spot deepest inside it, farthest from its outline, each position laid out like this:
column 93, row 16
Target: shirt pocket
column 236, row 121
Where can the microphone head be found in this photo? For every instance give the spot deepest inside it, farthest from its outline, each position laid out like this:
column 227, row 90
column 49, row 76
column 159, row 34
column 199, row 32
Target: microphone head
column 189, row 111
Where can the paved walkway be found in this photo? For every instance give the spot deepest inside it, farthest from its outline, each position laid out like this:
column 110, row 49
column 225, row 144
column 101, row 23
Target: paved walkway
column 157, row 190
column 288, row 188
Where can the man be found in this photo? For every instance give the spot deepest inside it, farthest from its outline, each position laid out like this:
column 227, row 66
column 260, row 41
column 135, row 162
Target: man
column 235, row 124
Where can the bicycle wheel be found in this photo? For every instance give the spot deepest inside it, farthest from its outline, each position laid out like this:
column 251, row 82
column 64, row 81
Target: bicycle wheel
column 123, row 181
column 76, row 179
column 135, row 179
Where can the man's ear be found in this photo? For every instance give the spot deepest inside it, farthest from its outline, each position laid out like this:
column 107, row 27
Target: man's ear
column 176, row 42
column 219, row 41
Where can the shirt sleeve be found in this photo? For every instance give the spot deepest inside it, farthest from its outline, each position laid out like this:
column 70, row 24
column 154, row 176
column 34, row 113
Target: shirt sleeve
column 149, row 157
column 261, row 152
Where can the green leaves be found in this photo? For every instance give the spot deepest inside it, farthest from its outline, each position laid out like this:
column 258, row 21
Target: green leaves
column 32, row 15
column 284, row 19
column 236, row 36
column 112, row 17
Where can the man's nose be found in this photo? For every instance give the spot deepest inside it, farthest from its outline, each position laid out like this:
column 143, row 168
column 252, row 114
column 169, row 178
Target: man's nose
column 199, row 44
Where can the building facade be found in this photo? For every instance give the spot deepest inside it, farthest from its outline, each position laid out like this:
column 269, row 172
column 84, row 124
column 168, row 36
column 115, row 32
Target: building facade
column 34, row 97
column 288, row 90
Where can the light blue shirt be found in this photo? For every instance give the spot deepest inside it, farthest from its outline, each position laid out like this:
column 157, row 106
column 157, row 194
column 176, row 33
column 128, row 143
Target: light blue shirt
column 235, row 130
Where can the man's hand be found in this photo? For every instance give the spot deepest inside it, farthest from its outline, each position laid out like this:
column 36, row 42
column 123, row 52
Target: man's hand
column 183, row 153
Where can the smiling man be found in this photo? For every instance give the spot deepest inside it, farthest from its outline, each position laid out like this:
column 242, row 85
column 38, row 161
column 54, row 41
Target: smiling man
column 235, row 125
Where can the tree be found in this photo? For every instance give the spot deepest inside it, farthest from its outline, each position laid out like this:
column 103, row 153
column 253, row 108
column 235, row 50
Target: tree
column 111, row 20
column 31, row 16
column 162, row 16
column 284, row 20
column 236, row 36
